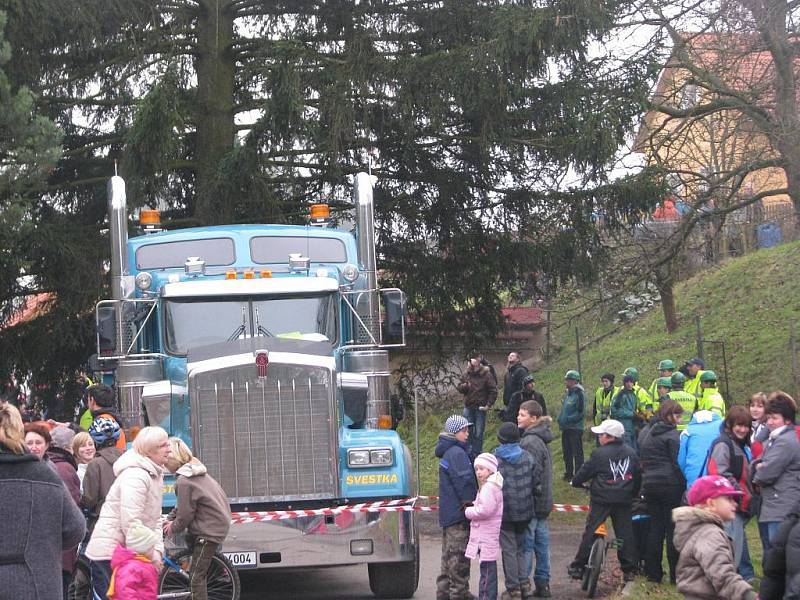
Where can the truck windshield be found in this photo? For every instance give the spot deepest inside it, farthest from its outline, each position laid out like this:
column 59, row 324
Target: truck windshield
column 194, row 322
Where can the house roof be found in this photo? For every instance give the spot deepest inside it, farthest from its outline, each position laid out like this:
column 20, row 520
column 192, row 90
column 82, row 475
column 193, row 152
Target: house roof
column 32, row 307
column 522, row 315
column 740, row 61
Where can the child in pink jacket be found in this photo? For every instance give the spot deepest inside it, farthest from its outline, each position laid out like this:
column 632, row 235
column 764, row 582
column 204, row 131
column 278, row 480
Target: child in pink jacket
column 485, row 515
column 134, row 576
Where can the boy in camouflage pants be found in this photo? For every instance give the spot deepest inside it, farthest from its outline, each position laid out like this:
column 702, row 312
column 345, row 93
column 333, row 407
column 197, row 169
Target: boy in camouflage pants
column 457, row 489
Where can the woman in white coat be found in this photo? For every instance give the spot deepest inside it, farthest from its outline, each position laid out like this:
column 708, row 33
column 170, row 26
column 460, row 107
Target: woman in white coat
column 134, row 495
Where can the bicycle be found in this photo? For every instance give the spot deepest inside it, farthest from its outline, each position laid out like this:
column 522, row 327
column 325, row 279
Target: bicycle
column 173, row 581
column 222, row 579
column 597, row 559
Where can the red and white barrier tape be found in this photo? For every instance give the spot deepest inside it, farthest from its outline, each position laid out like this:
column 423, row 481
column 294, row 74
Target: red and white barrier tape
column 402, row 505
column 570, row 508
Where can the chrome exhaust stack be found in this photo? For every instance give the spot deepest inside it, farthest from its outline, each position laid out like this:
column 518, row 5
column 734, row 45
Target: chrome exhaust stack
column 368, row 308
column 118, row 231
column 372, row 363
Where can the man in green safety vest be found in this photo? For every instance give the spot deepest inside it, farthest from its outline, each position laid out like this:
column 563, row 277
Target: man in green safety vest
column 687, row 401
column 695, row 367
column 665, row 369
column 711, row 399
column 602, row 398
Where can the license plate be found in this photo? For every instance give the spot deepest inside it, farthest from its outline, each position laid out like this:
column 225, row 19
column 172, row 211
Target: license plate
column 241, row 559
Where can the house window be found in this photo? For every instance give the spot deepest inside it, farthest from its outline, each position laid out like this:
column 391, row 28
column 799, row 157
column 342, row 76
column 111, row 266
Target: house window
column 689, row 98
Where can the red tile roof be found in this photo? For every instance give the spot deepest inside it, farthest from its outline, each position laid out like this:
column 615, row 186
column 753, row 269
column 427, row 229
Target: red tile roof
column 33, row 306
column 522, row 315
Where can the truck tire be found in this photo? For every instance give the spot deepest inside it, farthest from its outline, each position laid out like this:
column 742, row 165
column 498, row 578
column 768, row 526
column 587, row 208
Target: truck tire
column 395, row 580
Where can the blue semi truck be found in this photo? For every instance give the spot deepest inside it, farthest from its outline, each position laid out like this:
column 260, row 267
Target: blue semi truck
column 265, row 348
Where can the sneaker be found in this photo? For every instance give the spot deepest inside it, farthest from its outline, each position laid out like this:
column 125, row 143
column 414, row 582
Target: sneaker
column 566, row 477
column 575, row 572
column 511, row 595
column 542, row 588
column 526, row 589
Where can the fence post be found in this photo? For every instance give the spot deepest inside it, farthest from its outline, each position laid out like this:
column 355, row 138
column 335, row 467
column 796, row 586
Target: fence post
column 793, row 351
column 578, row 349
column 699, row 337
column 547, row 334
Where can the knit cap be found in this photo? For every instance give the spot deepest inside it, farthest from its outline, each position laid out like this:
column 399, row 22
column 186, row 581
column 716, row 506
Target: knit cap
column 62, row 437
column 455, row 423
column 139, row 538
column 508, row 433
column 487, row 461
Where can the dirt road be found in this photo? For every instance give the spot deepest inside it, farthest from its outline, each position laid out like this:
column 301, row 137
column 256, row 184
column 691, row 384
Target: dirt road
column 350, row 583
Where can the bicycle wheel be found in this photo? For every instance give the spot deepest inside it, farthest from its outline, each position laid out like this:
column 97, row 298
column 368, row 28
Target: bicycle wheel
column 596, row 560
column 222, row 579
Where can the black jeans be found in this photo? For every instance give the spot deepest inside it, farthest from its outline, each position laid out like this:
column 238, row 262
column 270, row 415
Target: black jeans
column 572, row 444
column 661, row 527
column 623, row 530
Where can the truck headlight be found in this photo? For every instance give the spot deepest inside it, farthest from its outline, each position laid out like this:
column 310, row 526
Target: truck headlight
column 365, row 457
column 381, row 457
column 358, row 458
column 350, row 272
column 144, row 280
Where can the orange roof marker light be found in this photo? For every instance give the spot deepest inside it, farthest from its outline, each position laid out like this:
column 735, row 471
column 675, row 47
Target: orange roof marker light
column 385, row 422
column 320, row 215
column 230, row 274
column 266, row 273
column 249, row 274
column 150, row 220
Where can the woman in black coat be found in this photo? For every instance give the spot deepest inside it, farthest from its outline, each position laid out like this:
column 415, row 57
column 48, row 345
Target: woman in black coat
column 662, row 486
column 782, row 564
column 40, row 520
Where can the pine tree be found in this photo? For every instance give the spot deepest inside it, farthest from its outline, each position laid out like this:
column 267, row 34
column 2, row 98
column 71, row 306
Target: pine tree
column 248, row 110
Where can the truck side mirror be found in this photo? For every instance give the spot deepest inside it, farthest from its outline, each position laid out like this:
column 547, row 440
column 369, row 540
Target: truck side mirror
column 395, row 305
column 106, row 330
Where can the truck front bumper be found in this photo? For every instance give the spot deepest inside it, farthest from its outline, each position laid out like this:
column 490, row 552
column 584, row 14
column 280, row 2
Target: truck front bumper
column 346, row 538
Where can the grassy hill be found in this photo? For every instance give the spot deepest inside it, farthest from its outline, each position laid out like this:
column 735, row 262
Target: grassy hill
column 747, row 302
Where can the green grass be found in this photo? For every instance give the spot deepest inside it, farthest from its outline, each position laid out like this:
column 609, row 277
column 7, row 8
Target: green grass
column 746, row 302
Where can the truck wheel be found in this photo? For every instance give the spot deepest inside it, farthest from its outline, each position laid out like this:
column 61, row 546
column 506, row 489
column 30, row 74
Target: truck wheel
column 394, row 580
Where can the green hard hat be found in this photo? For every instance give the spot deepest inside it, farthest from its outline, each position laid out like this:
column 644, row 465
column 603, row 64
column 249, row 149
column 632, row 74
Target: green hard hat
column 664, row 382
column 633, row 372
column 666, row 365
column 678, row 378
column 708, row 376
column 573, row 374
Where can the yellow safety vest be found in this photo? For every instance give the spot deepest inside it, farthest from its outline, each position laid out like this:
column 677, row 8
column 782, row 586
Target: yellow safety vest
column 712, row 400
column 692, row 386
column 689, row 404
column 602, row 403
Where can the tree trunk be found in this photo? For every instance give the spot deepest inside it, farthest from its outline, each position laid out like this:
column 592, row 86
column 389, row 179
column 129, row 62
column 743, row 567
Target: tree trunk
column 771, row 17
column 214, row 113
column 668, row 306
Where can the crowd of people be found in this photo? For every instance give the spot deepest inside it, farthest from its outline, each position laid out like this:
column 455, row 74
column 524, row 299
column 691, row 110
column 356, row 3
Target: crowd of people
column 673, row 467
column 77, row 496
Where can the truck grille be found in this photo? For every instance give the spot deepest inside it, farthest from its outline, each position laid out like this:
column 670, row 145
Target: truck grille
column 269, row 441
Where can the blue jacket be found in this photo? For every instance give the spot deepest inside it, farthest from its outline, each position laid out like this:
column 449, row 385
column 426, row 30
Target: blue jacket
column 457, row 483
column 696, row 441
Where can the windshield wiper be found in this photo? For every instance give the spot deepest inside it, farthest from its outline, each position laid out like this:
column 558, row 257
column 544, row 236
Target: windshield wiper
column 241, row 329
column 259, row 329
